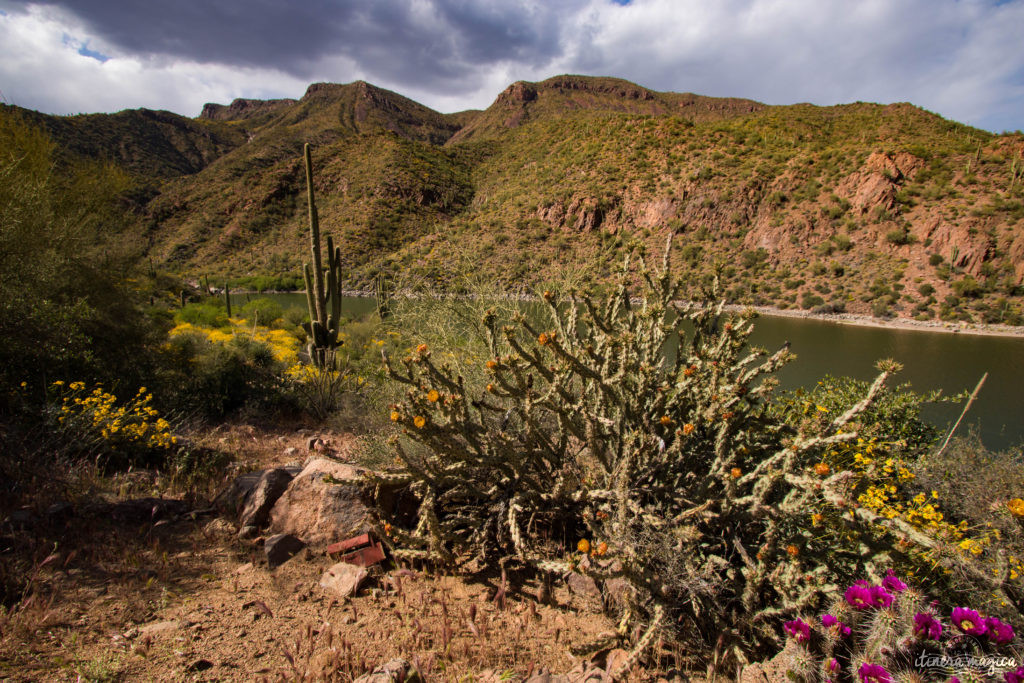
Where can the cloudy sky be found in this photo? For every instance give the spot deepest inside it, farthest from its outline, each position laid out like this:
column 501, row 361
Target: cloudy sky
column 963, row 59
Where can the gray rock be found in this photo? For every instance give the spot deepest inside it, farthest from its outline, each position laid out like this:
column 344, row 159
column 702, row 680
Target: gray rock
column 343, row 579
column 395, row 670
column 247, row 532
column 281, row 548
column 325, row 502
column 261, row 499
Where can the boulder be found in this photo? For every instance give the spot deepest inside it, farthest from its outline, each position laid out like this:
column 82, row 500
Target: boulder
column 343, row 579
column 323, row 503
column 233, row 500
column 281, row 548
column 268, row 489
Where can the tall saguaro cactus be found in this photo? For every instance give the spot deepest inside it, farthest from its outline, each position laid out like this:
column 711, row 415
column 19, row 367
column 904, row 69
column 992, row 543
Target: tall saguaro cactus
column 323, row 323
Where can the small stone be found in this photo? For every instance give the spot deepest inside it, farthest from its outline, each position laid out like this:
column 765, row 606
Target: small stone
column 247, row 532
column 281, row 548
column 291, row 452
column 395, row 670
column 244, row 568
column 343, row 579
column 159, row 628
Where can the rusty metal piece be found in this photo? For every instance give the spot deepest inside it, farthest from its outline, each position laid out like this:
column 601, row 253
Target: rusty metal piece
column 362, row 550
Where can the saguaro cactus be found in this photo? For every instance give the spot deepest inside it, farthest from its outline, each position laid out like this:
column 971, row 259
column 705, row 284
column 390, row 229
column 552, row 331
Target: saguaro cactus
column 323, row 322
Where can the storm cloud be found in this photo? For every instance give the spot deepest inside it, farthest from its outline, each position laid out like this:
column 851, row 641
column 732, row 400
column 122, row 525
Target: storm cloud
column 963, row 59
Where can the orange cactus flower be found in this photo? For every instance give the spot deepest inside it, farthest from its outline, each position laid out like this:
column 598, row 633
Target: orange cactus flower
column 548, row 295
column 665, row 420
column 1016, row 506
column 817, row 518
column 433, row 396
column 387, row 528
column 822, row 469
column 583, row 546
column 728, row 415
column 601, row 549
column 395, row 416
column 543, row 339
column 491, row 364
column 792, row 550
column 690, row 370
column 688, row 429
column 735, row 473
column 490, row 388
column 421, row 349
column 419, row 421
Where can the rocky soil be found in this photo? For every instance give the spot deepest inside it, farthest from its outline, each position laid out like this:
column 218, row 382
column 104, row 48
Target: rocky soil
column 134, row 585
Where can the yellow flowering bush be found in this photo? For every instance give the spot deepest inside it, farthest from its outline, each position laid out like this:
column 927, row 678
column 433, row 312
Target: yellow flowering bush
column 119, row 433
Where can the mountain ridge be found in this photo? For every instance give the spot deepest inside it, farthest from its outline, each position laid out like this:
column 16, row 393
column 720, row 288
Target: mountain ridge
column 882, row 209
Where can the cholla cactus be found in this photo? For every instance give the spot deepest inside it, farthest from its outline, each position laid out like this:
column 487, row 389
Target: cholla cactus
column 641, row 427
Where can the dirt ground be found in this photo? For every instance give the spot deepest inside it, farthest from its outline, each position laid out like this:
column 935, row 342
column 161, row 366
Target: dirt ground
column 113, row 591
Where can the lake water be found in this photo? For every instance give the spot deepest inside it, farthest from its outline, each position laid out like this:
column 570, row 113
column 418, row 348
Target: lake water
column 931, row 360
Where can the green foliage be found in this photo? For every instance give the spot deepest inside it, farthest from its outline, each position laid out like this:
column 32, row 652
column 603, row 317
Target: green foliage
column 263, row 311
column 967, row 287
column 208, row 313
column 809, row 300
column 63, row 312
column 894, row 415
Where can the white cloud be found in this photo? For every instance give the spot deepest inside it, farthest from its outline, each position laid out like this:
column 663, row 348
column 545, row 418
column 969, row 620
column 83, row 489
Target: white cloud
column 963, row 59
column 41, row 68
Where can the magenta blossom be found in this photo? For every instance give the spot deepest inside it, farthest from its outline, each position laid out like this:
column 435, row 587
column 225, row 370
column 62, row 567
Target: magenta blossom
column 998, row 632
column 968, row 621
column 1016, row 676
column 927, row 626
column 873, row 673
column 859, row 597
column 832, row 665
column 880, row 596
column 892, row 583
column 799, row 629
column 828, row 621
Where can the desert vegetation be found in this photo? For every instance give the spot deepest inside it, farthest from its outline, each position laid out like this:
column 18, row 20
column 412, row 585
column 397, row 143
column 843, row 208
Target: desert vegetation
column 618, row 430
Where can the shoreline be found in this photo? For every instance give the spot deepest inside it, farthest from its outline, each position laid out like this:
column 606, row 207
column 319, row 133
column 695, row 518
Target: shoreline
column 855, row 319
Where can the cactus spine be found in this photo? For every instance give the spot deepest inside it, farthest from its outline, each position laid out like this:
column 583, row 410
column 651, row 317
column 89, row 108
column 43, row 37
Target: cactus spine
column 323, row 322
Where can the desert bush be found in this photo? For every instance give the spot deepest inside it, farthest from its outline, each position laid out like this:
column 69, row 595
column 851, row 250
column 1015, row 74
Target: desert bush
column 65, row 310
column 672, row 470
column 214, row 373
column 116, row 433
column 209, row 313
column 262, row 311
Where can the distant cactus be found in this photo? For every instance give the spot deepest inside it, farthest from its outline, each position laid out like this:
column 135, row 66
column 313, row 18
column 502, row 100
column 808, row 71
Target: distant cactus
column 320, row 294
column 382, row 293
column 227, row 297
